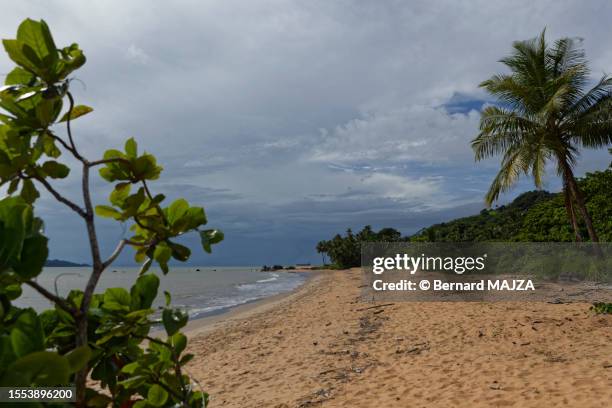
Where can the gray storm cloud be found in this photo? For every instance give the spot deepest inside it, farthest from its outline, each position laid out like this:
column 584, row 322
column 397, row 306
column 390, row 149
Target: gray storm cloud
column 292, row 120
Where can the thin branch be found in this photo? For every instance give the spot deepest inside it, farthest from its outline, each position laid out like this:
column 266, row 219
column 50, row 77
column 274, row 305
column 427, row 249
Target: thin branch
column 64, row 144
column 111, row 160
column 170, row 391
column 55, row 299
column 73, row 206
column 69, row 130
column 161, row 212
column 136, row 243
column 59, row 276
column 119, row 249
column 154, row 340
column 98, row 265
column 142, row 268
column 115, row 253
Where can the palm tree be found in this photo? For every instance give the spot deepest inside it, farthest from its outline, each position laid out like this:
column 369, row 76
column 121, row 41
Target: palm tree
column 323, row 248
column 545, row 114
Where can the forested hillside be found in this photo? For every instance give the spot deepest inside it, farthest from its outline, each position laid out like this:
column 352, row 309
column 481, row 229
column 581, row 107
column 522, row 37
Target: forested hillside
column 534, row 216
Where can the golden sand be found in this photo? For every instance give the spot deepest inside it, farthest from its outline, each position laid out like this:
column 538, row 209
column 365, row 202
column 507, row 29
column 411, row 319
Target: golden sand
column 322, row 347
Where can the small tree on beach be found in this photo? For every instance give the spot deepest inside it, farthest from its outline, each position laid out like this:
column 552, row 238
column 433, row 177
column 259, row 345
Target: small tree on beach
column 545, row 114
column 102, row 336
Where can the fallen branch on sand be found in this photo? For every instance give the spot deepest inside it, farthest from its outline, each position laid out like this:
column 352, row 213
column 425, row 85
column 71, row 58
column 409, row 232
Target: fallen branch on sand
column 374, row 307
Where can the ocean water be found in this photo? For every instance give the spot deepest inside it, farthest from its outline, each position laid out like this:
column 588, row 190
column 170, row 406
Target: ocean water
column 202, row 291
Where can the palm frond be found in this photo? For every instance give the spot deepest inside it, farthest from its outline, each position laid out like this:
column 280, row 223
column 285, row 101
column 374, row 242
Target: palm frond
column 565, row 55
column 589, row 100
column 512, row 166
column 500, row 130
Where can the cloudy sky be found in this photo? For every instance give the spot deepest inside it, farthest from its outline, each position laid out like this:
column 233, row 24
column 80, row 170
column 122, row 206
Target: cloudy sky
column 292, row 120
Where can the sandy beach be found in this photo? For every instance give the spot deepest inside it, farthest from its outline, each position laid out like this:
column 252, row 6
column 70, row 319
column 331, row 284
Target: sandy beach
column 322, row 346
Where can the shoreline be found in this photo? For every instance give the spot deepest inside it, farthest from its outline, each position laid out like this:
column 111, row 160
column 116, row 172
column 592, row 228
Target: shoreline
column 204, row 324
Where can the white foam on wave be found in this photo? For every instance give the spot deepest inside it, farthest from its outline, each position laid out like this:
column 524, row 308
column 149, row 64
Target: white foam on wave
column 195, row 311
column 246, row 292
column 272, row 279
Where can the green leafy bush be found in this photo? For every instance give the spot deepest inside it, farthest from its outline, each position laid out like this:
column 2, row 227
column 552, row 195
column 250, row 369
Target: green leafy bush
column 602, row 308
column 102, row 336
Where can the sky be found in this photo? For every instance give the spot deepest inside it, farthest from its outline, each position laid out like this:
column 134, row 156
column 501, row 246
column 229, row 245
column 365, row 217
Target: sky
column 290, row 121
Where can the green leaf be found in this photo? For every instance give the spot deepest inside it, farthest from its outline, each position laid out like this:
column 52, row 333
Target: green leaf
column 177, row 210
column 198, row 399
column 194, row 217
column 130, row 368
column 34, row 253
column 117, row 299
column 19, row 76
column 27, row 336
column 115, row 170
column 28, row 191
column 107, row 212
column 73, row 58
column 7, row 355
column 162, row 255
column 144, row 291
column 186, row 358
column 14, row 184
column 78, row 358
column 77, row 112
column 174, row 320
column 36, row 36
column 145, row 167
column 167, row 297
column 14, row 49
column 209, row 238
column 157, row 396
column 75, row 296
column 120, row 193
column 42, row 368
column 179, row 252
column 133, row 382
column 47, row 110
column 12, row 291
column 133, row 202
column 105, row 371
column 179, row 341
column 47, row 144
column 15, row 216
column 55, row 170
column 131, row 148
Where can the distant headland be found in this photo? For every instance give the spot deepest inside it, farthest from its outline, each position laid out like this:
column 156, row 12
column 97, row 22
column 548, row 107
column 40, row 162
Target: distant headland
column 62, row 263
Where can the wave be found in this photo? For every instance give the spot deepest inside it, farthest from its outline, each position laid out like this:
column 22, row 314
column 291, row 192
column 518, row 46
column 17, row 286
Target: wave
column 206, row 310
column 272, row 279
column 241, row 293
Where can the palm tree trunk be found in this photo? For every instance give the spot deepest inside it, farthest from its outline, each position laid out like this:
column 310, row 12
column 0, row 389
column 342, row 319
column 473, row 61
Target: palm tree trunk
column 575, row 192
column 571, row 214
